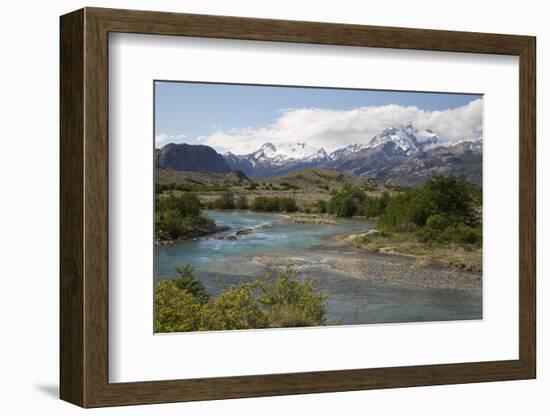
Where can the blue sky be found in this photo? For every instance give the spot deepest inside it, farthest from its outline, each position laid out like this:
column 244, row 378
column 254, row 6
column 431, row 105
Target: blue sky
column 228, row 116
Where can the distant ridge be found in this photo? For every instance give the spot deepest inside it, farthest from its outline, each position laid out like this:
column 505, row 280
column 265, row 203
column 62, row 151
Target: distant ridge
column 402, row 155
column 190, row 158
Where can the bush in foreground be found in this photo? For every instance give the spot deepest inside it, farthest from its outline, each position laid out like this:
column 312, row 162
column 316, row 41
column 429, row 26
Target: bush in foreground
column 277, row 301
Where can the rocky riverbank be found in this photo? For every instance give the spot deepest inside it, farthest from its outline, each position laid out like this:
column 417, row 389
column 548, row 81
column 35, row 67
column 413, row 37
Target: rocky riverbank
column 310, row 219
column 195, row 234
column 378, row 267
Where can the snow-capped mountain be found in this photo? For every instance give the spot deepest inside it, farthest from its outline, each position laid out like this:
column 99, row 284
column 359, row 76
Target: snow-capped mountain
column 406, row 139
column 396, row 149
column 469, row 145
column 403, row 139
column 270, row 160
column 285, row 152
column 347, row 151
column 405, row 155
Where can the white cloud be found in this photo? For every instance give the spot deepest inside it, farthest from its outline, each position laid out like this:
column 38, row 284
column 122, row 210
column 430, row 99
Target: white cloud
column 162, row 139
column 333, row 129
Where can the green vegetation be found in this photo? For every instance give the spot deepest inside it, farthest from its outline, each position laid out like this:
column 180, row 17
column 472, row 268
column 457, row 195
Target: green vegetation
column 347, row 202
column 305, row 187
column 460, row 256
column 445, row 210
column 351, row 201
column 160, row 188
column 241, row 202
column 320, row 206
column 373, row 207
column 187, row 282
column 278, row 301
column 179, row 217
column 442, row 211
column 274, row 204
column 225, row 201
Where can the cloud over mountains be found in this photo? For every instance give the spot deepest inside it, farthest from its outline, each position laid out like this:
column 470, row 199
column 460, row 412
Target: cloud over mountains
column 333, row 129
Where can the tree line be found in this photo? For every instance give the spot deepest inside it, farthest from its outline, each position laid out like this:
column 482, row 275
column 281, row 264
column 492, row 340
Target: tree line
column 446, row 209
column 228, row 200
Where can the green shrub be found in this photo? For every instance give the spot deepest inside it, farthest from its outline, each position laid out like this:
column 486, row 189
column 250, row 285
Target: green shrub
column 374, row 206
column 274, row 204
column 187, row 203
column 241, row 202
column 225, row 201
column 321, row 206
column 456, row 233
column 438, row 221
column 287, row 205
column 169, row 223
column 396, row 212
column 264, row 203
column 292, row 303
column 461, row 234
column 347, row 202
column 277, row 301
column 237, row 308
column 446, row 195
column 179, row 216
column 189, row 283
column 175, row 310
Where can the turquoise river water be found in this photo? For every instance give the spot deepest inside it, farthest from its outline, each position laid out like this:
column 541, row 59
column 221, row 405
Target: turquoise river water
column 221, row 261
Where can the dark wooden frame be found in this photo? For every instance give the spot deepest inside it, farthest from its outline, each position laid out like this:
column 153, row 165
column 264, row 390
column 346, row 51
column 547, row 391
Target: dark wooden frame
column 84, row 208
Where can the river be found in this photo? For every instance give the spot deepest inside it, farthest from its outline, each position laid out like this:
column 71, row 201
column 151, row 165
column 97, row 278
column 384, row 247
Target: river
column 272, row 241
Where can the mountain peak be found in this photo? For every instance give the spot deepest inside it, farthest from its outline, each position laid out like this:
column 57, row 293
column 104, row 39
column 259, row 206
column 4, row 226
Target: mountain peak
column 405, row 138
column 401, row 139
column 396, row 149
column 268, row 146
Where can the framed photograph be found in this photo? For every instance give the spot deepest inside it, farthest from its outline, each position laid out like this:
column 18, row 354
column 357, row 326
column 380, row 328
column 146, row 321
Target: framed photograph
column 255, row 207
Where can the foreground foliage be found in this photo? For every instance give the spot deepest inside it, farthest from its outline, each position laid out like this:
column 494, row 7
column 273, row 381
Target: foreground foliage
column 278, row 301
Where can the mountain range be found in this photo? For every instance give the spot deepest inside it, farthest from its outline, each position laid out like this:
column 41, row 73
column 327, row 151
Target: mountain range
column 272, row 161
column 402, row 155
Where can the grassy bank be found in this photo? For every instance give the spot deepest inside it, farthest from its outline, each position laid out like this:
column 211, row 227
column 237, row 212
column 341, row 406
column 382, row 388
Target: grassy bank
column 461, row 257
column 438, row 222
